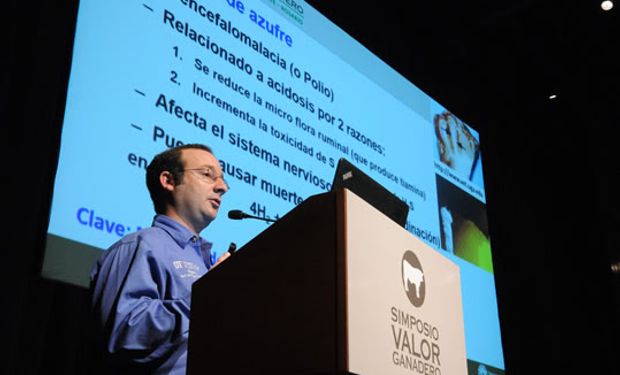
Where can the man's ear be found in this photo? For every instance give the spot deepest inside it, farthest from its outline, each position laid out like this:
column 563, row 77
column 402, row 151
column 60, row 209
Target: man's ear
column 167, row 180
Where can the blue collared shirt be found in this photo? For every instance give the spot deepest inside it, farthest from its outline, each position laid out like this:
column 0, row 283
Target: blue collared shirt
column 141, row 293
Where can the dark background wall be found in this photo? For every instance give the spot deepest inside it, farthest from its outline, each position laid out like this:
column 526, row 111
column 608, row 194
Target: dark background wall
column 551, row 166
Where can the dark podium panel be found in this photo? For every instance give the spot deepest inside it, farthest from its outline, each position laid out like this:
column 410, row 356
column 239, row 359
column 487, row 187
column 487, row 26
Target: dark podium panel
column 275, row 307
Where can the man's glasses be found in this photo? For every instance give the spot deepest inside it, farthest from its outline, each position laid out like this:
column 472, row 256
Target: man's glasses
column 208, row 175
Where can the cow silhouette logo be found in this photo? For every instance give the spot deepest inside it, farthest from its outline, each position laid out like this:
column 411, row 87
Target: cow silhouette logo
column 413, row 279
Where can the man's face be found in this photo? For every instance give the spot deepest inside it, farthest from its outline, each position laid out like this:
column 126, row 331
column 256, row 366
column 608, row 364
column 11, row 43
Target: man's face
column 198, row 196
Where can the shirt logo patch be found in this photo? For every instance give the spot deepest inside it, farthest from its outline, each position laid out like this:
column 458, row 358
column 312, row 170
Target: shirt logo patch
column 186, row 269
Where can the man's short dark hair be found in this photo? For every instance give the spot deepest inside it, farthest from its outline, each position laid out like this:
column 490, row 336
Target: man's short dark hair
column 169, row 160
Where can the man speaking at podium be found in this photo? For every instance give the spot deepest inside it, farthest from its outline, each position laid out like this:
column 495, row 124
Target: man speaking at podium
column 141, row 286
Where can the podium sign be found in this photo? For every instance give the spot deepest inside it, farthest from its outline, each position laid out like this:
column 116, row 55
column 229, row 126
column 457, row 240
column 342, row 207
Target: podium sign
column 404, row 312
column 334, row 286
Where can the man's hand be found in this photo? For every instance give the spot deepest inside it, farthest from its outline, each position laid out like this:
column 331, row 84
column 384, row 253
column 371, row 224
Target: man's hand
column 224, row 256
column 457, row 147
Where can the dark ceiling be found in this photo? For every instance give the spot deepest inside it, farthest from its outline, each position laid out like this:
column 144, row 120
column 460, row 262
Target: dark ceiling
column 476, row 55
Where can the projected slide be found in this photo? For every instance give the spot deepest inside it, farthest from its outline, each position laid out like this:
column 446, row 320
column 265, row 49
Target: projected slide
column 280, row 94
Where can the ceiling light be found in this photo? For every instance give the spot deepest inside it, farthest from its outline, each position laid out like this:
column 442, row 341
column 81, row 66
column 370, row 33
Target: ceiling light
column 607, row 5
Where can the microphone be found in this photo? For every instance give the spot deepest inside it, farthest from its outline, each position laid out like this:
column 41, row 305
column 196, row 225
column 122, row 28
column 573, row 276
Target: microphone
column 239, row 215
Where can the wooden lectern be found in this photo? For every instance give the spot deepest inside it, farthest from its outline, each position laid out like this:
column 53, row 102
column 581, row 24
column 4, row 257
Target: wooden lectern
column 331, row 288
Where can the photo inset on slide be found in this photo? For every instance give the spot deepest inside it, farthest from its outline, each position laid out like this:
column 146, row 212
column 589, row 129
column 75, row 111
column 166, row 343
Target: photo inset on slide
column 477, row 368
column 456, row 145
column 463, row 225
